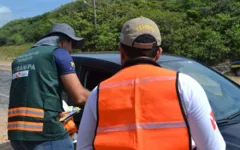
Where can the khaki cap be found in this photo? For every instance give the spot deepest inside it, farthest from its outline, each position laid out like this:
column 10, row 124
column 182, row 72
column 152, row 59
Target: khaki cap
column 138, row 26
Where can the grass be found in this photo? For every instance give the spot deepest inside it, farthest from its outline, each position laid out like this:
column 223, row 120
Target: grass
column 8, row 53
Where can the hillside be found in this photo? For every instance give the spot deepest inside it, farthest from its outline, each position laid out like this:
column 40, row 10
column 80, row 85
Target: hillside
column 208, row 31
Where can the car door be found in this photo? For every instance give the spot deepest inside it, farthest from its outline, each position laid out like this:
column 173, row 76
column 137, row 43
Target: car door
column 90, row 73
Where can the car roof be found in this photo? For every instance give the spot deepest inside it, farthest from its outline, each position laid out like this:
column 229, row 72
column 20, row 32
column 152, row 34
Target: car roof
column 235, row 62
column 115, row 58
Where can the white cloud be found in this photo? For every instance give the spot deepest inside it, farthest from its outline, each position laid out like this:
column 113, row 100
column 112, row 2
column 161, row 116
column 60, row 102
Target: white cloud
column 5, row 15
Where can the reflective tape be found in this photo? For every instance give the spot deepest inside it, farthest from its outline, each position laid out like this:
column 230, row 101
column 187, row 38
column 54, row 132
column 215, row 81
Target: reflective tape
column 26, row 111
column 137, row 81
column 26, row 126
column 156, row 125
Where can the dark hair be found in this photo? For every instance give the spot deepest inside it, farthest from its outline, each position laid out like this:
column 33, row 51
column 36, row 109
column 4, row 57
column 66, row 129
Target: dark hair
column 133, row 52
column 63, row 37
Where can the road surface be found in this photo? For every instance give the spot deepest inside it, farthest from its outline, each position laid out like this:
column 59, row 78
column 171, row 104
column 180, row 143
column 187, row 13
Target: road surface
column 5, row 81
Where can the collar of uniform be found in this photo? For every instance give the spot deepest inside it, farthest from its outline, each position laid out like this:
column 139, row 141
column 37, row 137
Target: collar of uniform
column 138, row 61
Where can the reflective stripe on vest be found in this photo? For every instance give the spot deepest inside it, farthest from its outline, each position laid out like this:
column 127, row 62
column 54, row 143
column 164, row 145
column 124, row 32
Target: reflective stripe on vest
column 26, row 111
column 155, row 125
column 139, row 109
column 26, row 126
column 138, row 81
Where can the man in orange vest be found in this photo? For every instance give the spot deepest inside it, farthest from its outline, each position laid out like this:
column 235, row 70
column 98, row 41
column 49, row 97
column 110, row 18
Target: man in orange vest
column 145, row 106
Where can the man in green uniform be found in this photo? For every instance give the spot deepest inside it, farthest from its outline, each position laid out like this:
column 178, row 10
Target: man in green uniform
column 39, row 77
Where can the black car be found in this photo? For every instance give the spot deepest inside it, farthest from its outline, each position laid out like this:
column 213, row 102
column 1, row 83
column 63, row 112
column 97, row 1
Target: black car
column 235, row 67
column 223, row 93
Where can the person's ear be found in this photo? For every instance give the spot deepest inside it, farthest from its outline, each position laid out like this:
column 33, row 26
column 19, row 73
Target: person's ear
column 159, row 53
column 60, row 44
column 123, row 55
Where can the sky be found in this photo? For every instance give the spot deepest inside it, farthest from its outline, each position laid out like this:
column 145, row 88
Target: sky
column 17, row 9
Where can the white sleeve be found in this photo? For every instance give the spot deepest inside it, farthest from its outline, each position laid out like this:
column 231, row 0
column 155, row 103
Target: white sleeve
column 204, row 130
column 86, row 132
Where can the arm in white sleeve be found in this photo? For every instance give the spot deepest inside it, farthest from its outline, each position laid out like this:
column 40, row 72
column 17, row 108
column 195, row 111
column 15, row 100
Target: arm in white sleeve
column 203, row 127
column 86, row 132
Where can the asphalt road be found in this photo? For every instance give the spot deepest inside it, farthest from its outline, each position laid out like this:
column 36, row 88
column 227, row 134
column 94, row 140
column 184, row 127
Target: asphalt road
column 5, row 81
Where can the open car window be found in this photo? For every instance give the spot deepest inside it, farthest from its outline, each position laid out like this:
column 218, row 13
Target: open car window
column 90, row 77
column 93, row 76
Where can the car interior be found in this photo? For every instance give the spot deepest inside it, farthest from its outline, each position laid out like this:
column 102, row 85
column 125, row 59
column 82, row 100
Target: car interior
column 94, row 77
column 90, row 77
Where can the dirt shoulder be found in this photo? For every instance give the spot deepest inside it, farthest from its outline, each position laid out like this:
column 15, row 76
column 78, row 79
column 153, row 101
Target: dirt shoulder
column 5, row 63
column 3, row 125
column 236, row 79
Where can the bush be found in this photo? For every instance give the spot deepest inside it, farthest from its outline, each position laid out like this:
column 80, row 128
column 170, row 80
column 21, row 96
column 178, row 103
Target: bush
column 208, row 31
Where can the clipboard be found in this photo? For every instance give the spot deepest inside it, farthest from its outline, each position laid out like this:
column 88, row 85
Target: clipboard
column 65, row 116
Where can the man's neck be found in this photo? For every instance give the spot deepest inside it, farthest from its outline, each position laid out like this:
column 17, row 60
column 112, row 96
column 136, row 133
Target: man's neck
column 138, row 61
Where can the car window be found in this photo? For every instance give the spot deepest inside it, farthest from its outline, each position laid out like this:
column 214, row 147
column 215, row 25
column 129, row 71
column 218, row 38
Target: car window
column 90, row 77
column 93, row 76
column 222, row 94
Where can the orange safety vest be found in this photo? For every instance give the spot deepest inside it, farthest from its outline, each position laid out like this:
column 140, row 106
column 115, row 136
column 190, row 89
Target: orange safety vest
column 139, row 109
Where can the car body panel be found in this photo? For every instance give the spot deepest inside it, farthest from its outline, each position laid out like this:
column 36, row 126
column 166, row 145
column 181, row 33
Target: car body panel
column 236, row 63
column 231, row 135
column 115, row 58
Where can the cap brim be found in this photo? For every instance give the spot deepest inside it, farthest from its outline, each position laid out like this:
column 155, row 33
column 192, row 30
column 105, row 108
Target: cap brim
column 76, row 38
column 79, row 42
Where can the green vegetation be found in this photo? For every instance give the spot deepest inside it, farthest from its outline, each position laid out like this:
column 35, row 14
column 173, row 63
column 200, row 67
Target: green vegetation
column 208, row 31
column 10, row 52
